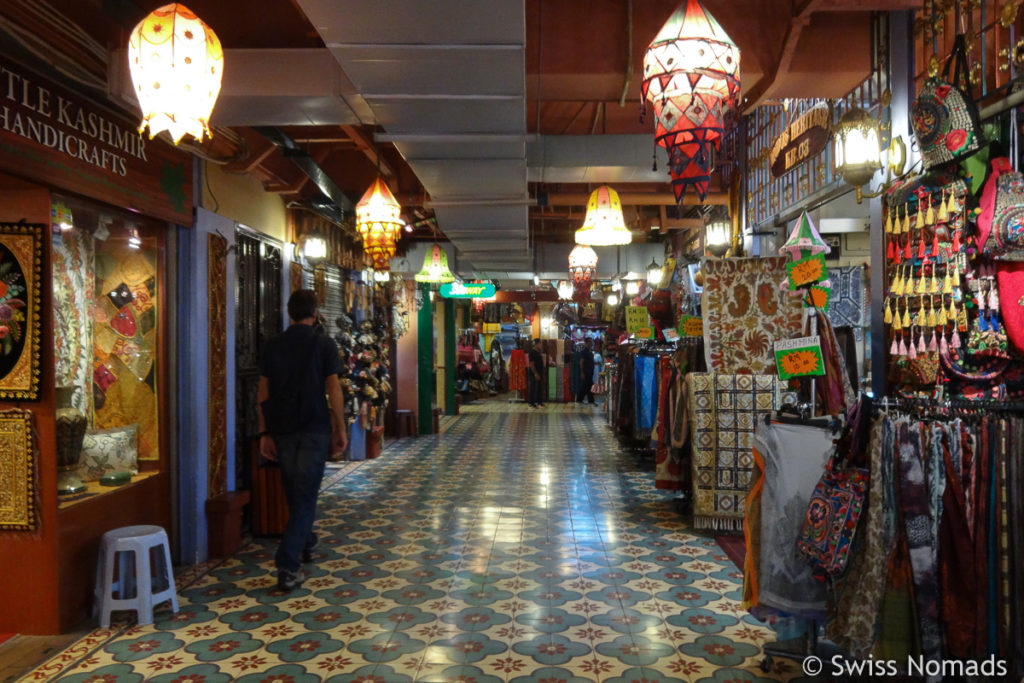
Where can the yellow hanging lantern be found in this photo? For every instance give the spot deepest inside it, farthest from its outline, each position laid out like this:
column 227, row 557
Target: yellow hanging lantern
column 378, row 219
column 604, row 225
column 176, row 63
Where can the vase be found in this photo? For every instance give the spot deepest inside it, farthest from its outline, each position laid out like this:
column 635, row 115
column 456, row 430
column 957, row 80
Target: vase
column 71, row 424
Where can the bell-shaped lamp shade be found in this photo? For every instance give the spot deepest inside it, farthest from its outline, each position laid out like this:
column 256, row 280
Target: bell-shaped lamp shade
column 379, row 222
column 176, row 63
column 717, row 236
column 604, row 225
column 582, row 264
column 857, row 151
column 565, row 290
column 654, row 274
column 435, row 267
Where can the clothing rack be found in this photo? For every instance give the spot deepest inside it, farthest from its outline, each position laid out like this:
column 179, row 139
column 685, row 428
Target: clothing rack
column 955, row 405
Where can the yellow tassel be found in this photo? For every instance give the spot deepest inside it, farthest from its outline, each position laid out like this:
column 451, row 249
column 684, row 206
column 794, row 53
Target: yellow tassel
column 932, row 320
column 929, row 218
column 943, row 211
column 888, row 222
column 920, row 318
column 921, row 288
column 906, row 315
column 888, row 313
column 905, row 225
column 941, row 317
column 934, row 287
column 947, row 283
column 956, row 277
column 897, row 322
column 952, row 310
column 952, row 207
column 919, row 217
column 897, row 287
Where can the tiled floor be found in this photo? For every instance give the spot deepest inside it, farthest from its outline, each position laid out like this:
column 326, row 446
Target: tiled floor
column 519, row 545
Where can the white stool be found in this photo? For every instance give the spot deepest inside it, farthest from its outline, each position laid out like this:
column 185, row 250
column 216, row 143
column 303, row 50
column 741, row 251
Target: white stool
column 134, row 577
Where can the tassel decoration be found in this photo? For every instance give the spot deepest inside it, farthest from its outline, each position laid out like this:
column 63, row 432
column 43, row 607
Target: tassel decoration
column 920, row 248
column 888, row 312
column 956, row 277
column 888, row 222
column 911, row 349
column 943, row 211
column 931, row 321
column 919, row 217
column 955, row 340
column 940, row 317
column 929, row 218
column 935, row 244
column 943, row 346
column 906, row 315
column 907, row 254
column 933, row 345
column 921, row 346
column 952, row 207
column 947, row 283
column 893, row 348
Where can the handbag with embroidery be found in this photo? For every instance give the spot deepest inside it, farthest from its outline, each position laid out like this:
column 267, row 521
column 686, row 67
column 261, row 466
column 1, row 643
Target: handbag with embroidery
column 1008, row 218
column 831, row 520
column 944, row 115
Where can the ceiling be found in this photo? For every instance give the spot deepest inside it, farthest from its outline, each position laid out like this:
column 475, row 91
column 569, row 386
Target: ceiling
column 490, row 121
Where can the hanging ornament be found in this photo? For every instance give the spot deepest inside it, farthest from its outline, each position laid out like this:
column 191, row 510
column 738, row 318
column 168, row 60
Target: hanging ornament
column 604, row 225
column 931, row 321
column 952, row 207
column 435, row 267
column 943, row 209
column 919, row 217
column 888, row 223
column 888, row 311
column 956, row 277
column 379, row 222
column 582, row 265
column 929, row 218
column 906, row 315
column 692, row 79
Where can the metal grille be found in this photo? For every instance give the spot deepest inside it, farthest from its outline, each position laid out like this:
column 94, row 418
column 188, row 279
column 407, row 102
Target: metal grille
column 334, row 297
column 258, row 318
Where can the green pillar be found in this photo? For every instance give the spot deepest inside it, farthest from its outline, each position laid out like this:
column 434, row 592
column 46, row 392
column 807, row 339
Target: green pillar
column 425, row 362
column 449, row 357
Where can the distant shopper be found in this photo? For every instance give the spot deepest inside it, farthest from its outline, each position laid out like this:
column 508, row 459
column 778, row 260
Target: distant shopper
column 298, row 373
column 586, row 359
column 534, row 375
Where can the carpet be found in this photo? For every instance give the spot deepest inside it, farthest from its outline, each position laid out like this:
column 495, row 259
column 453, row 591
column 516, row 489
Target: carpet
column 733, row 547
column 725, row 410
column 745, row 312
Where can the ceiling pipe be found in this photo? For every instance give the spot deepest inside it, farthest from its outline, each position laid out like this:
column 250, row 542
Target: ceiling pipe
column 302, row 159
column 629, row 52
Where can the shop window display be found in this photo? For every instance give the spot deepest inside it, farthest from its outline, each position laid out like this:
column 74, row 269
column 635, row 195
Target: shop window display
column 107, row 298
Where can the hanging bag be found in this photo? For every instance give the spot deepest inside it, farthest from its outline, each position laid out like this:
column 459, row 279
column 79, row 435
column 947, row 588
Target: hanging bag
column 831, row 519
column 944, row 116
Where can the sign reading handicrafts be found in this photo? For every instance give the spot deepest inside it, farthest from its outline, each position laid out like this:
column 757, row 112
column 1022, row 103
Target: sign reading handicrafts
column 803, row 139
column 799, row 357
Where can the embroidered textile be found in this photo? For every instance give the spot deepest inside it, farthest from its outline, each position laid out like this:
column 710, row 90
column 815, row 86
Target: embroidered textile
column 745, row 312
column 517, row 371
column 72, row 316
column 724, row 412
column 645, row 395
column 19, row 456
column 667, row 459
column 849, row 303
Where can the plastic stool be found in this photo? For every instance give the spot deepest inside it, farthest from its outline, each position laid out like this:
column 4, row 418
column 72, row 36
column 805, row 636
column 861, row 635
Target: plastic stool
column 134, row 577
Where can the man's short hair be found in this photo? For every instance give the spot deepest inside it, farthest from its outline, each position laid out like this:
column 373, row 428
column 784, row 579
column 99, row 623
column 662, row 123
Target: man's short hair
column 536, row 341
column 302, row 304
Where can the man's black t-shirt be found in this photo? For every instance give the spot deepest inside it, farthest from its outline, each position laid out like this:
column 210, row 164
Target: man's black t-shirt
column 537, row 362
column 302, row 358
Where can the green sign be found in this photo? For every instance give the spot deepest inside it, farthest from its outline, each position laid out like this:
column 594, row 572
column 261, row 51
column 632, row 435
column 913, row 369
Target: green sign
column 458, row 290
column 799, row 357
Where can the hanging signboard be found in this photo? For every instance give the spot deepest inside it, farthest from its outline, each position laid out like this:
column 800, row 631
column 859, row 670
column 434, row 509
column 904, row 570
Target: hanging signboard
column 636, row 318
column 54, row 136
column 473, row 290
column 799, row 357
column 803, row 139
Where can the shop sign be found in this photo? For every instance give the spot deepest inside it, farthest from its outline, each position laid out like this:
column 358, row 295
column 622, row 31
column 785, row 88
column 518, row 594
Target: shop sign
column 458, row 290
column 53, row 136
column 636, row 318
column 799, row 357
column 801, row 140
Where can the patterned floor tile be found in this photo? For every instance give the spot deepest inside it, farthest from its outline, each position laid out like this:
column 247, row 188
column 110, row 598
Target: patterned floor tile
column 458, row 557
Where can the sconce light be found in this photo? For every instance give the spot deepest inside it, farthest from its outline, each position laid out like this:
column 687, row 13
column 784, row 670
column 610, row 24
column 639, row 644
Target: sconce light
column 858, row 154
column 314, row 247
column 381, row 276
column 632, row 287
column 718, row 236
column 654, row 274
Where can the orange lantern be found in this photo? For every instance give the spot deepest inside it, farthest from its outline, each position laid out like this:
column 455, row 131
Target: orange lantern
column 378, row 219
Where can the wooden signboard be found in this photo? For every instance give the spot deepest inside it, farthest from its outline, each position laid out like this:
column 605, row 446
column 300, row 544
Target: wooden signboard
column 53, row 136
column 803, row 139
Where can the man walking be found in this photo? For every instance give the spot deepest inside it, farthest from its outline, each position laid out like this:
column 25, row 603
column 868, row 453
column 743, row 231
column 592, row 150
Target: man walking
column 535, row 367
column 586, row 368
column 298, row 373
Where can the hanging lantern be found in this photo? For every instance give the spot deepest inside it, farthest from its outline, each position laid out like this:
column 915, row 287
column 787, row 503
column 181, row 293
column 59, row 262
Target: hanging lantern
column 604, row 225
column 176, row 63
column 565, row 290
column 692, row 79
column 435, row 267
column 582, row 264
column 717, row 236
column 857, row 152
column 596, row 292
column 378, row 219
column 613, row 299
column 653, row 274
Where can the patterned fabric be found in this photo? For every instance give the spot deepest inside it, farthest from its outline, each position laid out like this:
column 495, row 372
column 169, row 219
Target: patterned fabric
column 830, row 522
column 517, row 371
column 850, row 304
column 667, row 460
column 745, row 312
column 645, row 395
column 73, row 326
column 725, row 410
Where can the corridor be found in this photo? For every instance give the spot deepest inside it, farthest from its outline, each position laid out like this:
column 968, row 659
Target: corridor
column 518, row 546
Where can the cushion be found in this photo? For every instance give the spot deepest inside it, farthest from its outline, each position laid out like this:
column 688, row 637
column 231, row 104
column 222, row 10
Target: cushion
column 109, row 450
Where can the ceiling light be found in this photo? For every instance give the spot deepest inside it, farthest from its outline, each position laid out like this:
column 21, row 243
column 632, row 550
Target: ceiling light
column 582, row 264
column 604, row 225
column 379, row 222
column 691, row 78
column 536, row 280
column 176, row 64
column 435, row 267
column 565, row 290
column 654, row 274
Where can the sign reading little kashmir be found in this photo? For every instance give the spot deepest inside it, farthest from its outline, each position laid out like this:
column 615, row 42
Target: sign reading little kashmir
column 636, row 319
column 51, row 134
column 800, row 357
column 474, row 290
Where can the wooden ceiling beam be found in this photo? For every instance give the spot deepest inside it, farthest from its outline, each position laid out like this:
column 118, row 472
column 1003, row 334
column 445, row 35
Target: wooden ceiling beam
column 800, row 20
column 640, row 199
column 366, row 146
column 251, row 163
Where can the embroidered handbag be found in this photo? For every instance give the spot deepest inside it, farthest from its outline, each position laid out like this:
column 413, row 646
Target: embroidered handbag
column 1008, row 218
column 944, row 116
column 831, row 520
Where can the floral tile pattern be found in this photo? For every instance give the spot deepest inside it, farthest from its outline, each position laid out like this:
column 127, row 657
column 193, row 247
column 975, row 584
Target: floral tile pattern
column 518, row 546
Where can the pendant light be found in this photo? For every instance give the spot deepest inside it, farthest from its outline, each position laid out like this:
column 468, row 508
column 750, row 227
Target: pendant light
column 717, row 236
column 176, row 63
column 604, row 225
column 582, row 265
column 565, row 290
column 653, row 274
column 435, row 267
column 378, row 220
